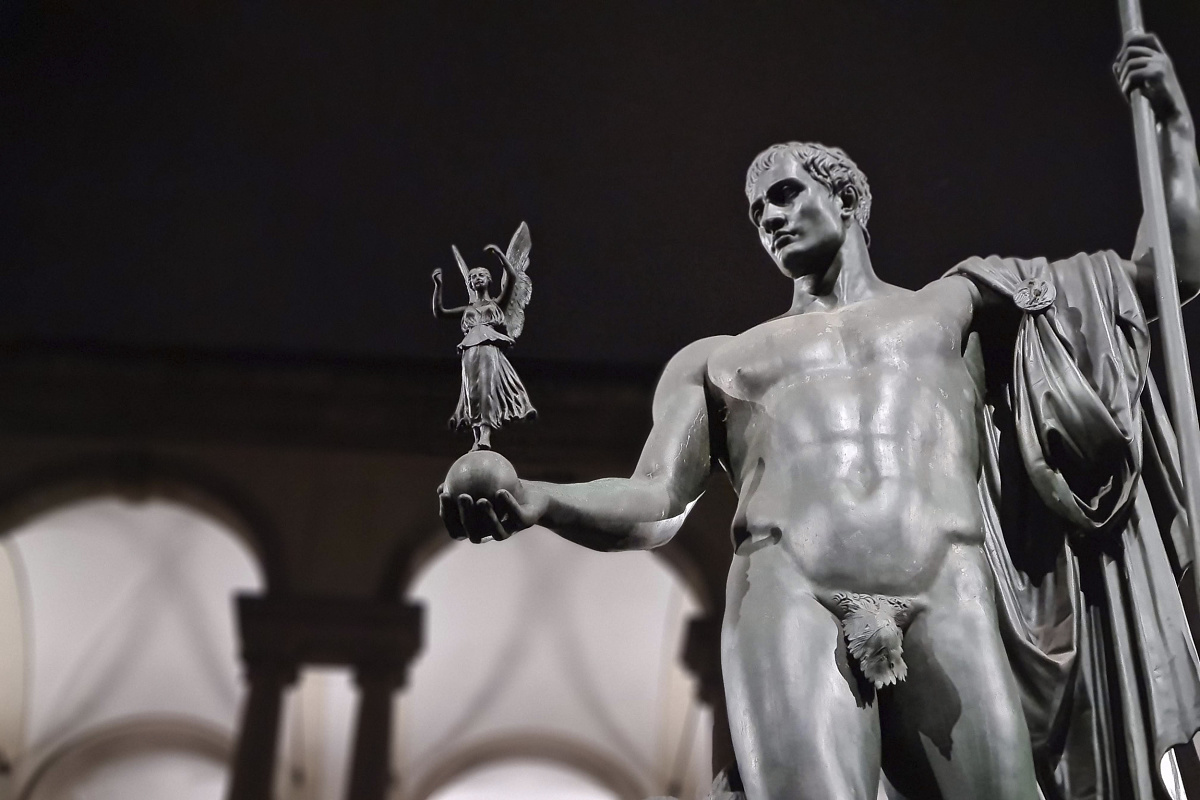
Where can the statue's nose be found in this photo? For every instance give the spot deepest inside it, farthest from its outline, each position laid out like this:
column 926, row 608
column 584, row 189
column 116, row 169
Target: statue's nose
column 772, row 221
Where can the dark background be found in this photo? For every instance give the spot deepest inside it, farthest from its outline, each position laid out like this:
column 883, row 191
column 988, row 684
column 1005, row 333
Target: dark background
column 282, row 179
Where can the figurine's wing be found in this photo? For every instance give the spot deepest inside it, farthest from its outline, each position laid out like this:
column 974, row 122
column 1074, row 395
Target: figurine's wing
column 518, row 248
column 518, row 256
column 462, row 265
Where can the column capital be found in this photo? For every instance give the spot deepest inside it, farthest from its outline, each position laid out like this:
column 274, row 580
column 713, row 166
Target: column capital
column 374, row 636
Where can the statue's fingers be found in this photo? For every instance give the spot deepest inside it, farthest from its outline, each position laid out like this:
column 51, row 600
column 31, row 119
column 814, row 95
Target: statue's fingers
column 1138, row 73
column 450, row 516
column 1136, row 62
column 1133, row 53
column 499, row 532
column 1148, row 79
column 466, row 512
column 508, row 513
column 1153, row 70
column 1124, row 82
column 513, row 518
column 516, row 511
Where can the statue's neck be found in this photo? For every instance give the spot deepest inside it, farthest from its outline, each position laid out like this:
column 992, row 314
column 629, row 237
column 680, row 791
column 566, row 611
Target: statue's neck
column 849, row 278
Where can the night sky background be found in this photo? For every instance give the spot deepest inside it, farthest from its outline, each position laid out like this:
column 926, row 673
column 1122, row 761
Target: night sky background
column 281, row 179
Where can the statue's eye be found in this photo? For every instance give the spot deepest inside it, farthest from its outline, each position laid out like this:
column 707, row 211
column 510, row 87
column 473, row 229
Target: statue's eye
column 756, row 211
column 784, row 192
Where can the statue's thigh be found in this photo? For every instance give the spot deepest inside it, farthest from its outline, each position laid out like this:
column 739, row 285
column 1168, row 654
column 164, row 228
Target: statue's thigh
column 956, row 722
column 803, row 727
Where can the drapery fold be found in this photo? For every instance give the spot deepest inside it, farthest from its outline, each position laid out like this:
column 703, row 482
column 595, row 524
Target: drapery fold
column 1086, row 533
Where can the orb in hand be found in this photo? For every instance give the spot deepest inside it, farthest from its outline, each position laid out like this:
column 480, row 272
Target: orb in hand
column 482, row 473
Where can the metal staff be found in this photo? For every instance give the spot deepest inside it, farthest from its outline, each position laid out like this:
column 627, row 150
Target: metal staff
column 1179, row 373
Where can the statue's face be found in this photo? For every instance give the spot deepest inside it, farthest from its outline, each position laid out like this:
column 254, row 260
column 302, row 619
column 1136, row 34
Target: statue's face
column 478, row 279
column 800, row 223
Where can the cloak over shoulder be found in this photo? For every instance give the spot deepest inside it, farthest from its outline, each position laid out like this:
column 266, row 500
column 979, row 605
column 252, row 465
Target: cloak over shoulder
column 1085, row 528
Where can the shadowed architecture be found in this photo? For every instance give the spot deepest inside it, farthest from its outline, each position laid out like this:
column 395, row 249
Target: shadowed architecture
column 325, row 470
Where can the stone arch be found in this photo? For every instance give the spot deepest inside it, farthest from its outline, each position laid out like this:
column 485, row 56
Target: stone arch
column 556, row 749
column 125, row 628
column 414, row 554
column 418, row 547
column 183, row 733
column 138, row 477
column 644, row 628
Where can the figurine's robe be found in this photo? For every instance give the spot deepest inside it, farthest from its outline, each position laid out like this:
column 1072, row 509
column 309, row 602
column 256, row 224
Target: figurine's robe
column 1086, row 531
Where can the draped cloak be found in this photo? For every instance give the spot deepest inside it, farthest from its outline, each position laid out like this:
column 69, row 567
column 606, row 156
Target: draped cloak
column 1085, row 527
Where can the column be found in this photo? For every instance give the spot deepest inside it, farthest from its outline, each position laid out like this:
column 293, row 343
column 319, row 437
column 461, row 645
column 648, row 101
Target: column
column 258, row 737
column 388, row 639
column 370, row 770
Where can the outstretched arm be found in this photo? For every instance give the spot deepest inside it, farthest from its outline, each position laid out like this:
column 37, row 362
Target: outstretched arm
column 439, row 310
column 510, row 276
column 635, row 513
column 1143, row 65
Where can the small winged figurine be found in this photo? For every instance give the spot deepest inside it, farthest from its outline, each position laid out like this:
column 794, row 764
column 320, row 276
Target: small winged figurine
column 491, row 393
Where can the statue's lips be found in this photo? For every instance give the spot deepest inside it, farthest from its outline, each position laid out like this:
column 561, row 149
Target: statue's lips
column 782, row 240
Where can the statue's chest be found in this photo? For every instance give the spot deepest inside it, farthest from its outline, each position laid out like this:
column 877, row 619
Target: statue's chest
column 482, row 314
column 874, row 338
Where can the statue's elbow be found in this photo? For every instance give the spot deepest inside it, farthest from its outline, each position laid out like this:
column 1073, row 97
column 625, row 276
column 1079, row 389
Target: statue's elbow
column 649, row 535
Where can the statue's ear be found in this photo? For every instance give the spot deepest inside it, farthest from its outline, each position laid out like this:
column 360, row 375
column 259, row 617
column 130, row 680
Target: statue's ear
column 849, row 200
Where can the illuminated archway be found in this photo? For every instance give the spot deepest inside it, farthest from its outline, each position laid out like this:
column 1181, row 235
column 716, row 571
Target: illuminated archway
column 186, row 760
column 124, row 613
column 140, row 477
column 540, row 642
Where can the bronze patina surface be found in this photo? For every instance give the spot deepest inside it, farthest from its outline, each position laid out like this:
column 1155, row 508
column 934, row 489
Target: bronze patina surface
column 956, row 537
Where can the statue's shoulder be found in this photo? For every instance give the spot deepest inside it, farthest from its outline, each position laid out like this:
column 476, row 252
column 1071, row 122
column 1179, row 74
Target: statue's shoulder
column 690, row 364
column 1031, row 284
column 954, row 284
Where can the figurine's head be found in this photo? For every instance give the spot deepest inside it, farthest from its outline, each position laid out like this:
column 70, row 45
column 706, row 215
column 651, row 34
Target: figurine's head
column 479, row 279
column 804, row 198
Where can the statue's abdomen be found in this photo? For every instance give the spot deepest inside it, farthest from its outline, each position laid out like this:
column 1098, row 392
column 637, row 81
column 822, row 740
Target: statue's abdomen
column 863, row 476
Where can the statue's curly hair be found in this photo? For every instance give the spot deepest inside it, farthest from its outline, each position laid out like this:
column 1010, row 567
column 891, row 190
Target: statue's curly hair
column 828, row 165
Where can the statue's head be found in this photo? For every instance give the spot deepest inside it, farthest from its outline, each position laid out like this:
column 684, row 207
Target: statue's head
column 479, row 279
column 804, row 199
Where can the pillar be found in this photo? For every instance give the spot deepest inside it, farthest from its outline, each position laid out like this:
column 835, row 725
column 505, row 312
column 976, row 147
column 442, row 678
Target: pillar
column 370, row 770
column 258, row 737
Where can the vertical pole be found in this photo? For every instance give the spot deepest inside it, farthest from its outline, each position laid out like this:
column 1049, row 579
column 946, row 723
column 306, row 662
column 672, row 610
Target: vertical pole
column 1179, row 375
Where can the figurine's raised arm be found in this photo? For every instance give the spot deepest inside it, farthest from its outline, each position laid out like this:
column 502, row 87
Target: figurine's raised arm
column 639, row 512
column 439, row 310
column 1144, row 65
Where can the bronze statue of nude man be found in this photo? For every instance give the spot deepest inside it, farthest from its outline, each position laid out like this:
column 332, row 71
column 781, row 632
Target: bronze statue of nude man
column 860, row 600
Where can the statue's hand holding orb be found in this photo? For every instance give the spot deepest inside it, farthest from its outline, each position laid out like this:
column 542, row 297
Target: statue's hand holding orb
column 483, row 498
